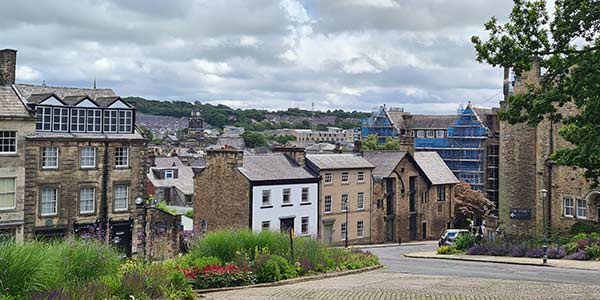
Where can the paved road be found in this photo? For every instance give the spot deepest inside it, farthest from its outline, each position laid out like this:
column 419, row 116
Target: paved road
column 397, row 263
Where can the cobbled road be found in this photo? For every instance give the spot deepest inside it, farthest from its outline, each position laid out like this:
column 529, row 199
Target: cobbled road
column 405, row 278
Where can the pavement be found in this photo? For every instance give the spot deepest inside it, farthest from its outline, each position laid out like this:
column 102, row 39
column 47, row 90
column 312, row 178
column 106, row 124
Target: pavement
column 558, row 263
column 436, row 279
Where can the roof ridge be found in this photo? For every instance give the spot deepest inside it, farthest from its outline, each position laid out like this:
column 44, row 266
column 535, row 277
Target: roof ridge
column 64, row 87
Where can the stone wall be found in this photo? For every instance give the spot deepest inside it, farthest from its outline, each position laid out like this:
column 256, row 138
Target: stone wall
column 221, row 193
column 163, row 234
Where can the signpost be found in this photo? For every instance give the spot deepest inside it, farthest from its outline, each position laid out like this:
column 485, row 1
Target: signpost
column 520, row 213
column 292, row 242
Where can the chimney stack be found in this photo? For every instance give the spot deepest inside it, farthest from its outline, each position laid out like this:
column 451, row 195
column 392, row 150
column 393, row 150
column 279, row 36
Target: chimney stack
column 295, row 153
column 8, row 66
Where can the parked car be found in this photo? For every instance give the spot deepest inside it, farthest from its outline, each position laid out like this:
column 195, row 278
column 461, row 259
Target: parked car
column 450, row 236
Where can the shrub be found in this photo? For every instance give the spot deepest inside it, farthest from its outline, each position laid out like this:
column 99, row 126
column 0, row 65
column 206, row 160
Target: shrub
column 447, row 250
column 579, row 255
column 87, row 260
column 518, row 251
column 496, row 249
column 273, row 268
column 585, row 227
column 556, row 252
column 593, row 252
column 535, row 253
column 571, row 247
column 216, row 276
column 227, row 245
column 358, row 259
column 204, row 261
column 464, row 241
column 477, row 250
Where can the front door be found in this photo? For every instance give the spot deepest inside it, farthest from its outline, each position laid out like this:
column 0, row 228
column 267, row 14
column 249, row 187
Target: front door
column 285, row 224
column 412, row 227
column 121, row 235
column 328, row 234
column 389, row 223
column 424, row 231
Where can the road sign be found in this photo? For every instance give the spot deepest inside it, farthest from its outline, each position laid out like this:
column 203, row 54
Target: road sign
column 520, row 213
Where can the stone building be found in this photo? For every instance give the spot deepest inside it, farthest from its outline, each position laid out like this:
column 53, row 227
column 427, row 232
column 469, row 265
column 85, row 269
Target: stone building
column 16, row 122
column 260, row 192
column 344, row 191
column 412, row 198
column 170, row 180
column 526, row 169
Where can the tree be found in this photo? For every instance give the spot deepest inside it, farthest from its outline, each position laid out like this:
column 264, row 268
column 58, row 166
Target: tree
column 469, row 204
column 568, row 49
column 254, row 139
column 371, row 143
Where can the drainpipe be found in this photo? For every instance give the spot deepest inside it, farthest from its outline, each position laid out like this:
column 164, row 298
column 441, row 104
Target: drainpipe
column 549, row 164
column 104, row 193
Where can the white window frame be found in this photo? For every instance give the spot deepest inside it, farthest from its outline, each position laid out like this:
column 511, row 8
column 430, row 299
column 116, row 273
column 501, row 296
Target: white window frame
column 169, row 174
column 360, row 229
column 62, row 117
column 5, row 191
column 125, row 118
column 45, row 157
column 567, row 207
column 42, row 113
column 581, row 209
column 328, row 178
column 78, row 121
column 265, row 225
column 121, row 157
column 360, row 199
column 87, row 190
column 346, row 176
column 94, row 120
column 440, row 133
column 286, row 192
column 346, row 203
column 267, row 194
column 304, row 222
column 84, row 157
column 328, row 202
column 360, row 176
column 420, row 133
column 118, row 207
column 110, row 120
column 44, row 192
column 8, row 139
column 430, row 133
column 305, row 195
column 343, row 229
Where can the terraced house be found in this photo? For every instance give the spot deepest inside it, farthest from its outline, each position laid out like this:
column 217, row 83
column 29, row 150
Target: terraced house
column 84, row 162
column 344, row 197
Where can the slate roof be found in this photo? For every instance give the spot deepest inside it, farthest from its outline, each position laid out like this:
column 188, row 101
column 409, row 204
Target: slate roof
column 433, row 121
column 274, row 166
column 87, row 136
column 338, row 161
column 184, row 181
column 10, row 104
column 27, row 90
column 236, row 142
column 72, row 100
column 384, row 161
column 37, row 98
column 434, row 168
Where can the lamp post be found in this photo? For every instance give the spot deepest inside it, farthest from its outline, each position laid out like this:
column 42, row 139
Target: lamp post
column 544, row 195
column 347, row 227
column 139, row 201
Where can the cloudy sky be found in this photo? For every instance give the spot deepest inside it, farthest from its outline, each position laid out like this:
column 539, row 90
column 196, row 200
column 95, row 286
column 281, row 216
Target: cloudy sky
column 271, row 54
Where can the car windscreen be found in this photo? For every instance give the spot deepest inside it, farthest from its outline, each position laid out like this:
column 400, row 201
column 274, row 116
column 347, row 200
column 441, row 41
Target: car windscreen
column 451, row 234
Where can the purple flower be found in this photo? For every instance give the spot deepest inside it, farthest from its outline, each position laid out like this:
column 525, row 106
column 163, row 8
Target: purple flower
column 579, row 255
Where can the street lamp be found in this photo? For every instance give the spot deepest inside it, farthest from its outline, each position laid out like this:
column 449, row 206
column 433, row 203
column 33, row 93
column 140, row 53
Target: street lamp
column 544, row 195
column 139, row 201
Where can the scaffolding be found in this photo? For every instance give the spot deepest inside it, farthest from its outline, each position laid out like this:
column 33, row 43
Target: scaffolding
column 378, row 124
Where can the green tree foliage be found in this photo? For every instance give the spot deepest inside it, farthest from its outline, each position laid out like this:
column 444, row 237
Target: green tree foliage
column 255, row 139
column 282, row 139
column 470, row 204
column 371, row 144
column 568, row 48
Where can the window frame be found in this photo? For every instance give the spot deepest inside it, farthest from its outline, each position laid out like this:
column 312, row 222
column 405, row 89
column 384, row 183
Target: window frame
column 62, row 125
column 343, row 230
column 328, row 178
column 330, row 204
column 110, row 125
column 41, row 202
column 115, row 207
column 82, row 157
column 14, row 193
column 46, row 112
column 286, row 192
column 267, row 194
column 7, row 139
column 262, row 225
column 347, row 176
column 44, row 157
column 360, row 230
column 582, row 208
column 93, row 194
column 93, row 120
column 360, row 176
column 75, row 118
column 121, row 156
column 566, row 207
column 345, row 204
column 305, row 195
column 304, row 221
column 360, row 199
column 169, row 174
column 441, row 191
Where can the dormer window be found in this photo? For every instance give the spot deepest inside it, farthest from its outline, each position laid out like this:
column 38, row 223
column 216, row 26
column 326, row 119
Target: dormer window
column 124, row 121
column 169, row 174
column 110, row 121
column 78, row 120
column 94, row 120
column 44, row 119
column 61, row 119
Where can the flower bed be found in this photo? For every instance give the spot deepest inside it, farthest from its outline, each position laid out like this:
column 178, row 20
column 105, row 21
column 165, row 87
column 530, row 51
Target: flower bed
column 86, row 269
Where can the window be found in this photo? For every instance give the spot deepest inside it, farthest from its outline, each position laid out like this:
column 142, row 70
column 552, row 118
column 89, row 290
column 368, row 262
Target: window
column 110, row 121
column 121, row 157
column 327, row 205
column 441, row 190
column 94, row 120
column 286, row 196
column 420, row 133
column 360, row 197
column 121, row 197
column 8, row 142
column 430, row 133
column 343, row 230
column 124, row 121
column 344, row 177
column 7, row 193
column 581, row 209
column 328, row 178
column 304, row 195
column 440, row 133
column 44, row 118
column 87, row 200
column 424, row 197
column 265, row 225
column 360, row 176
column 61, row 119
column 50, row 158
column 49, row 201
column 304, row 225
column 266, row 198
column 568, row 207
column 360, row 229
column 77, row 119
column 168, row 174
column 344, row 202
column 88, row 157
